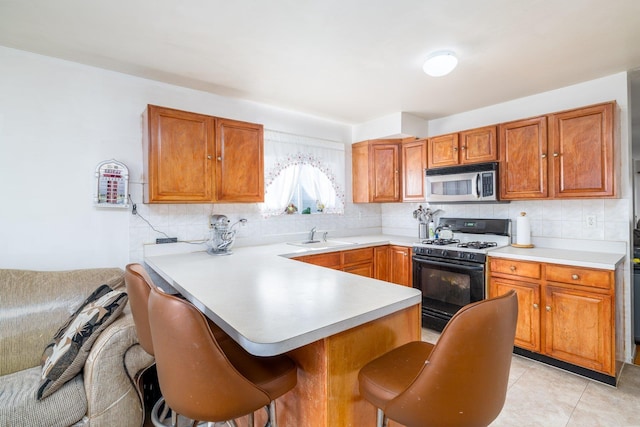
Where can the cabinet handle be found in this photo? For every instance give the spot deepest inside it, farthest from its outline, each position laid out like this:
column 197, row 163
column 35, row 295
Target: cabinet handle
column 463, row 147
column 455, row 148
column 512, row 268
column 544, row 156
column 535, row 306
column 555, row 154
column 219, row 158
column 209, row 157
column 548, row 308
column 575, row 276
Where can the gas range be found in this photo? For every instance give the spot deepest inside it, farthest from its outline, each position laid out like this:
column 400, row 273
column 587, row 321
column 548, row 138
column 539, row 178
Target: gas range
column 471, row 239
column 450, row 271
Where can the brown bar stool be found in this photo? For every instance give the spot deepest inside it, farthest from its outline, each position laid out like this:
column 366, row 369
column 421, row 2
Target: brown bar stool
column 209, row 380
column 460, row 381
column 139, row 286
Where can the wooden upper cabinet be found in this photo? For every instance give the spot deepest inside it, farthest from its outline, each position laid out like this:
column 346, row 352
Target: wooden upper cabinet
column 384, row 182
column 581, row 146
column 479, row 145
column 471, row 146
column 239, row 157
column 523, row 148
column 573, row 158
column 443, row 150
column 414, row 163
column 177, row 147
column 376, row 171
column 194, row 158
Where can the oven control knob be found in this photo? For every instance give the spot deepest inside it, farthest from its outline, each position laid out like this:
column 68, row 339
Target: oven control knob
column 472, row 256
column 444, row 253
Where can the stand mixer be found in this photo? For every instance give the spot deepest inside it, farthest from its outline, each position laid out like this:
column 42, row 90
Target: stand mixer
column 222, row 235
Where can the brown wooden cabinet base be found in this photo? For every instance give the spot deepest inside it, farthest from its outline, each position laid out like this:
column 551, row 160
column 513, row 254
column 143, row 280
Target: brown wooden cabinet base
column 327, row 393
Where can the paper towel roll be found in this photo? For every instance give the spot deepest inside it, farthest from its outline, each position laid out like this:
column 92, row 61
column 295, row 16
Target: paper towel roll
column 523, row 230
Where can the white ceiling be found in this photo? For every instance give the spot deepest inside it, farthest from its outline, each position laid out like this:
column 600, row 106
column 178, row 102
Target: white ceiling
column 345, row 60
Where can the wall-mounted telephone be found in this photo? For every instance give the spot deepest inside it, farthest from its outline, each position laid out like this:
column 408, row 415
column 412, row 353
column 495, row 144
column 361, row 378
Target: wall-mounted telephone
column 112, row 182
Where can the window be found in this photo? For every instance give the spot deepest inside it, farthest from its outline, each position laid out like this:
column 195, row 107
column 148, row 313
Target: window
column 303, row 175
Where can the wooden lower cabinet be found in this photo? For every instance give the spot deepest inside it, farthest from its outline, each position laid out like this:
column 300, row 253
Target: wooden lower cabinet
column 390, row 263
column 356, row 261
column 329, row 260
column 579, row 328
column 528, row 328
column 564, row 312
column 400, row 265
column 393, row 264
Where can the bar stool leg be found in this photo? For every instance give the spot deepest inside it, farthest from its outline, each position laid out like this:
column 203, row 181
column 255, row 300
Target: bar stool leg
column 382, row 420
column 271, row 410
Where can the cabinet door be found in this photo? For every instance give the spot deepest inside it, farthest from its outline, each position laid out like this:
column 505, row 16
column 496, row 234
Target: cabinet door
column 581, row 143
column 443, row 151
column 479, row 145
column 400, row 265
column 365, row 269
column 579, row 328
column 360, row 172
column 177, row 148
column 414, row 163
column 384, row 172
column 239, row 161
column 381, row 262
column 523, row 149
column 528, row 327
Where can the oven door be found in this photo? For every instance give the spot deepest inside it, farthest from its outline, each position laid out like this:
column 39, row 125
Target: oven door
column 446, row 286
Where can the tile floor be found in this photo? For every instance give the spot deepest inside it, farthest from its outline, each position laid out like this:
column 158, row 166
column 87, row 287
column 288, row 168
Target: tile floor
column 541, row 395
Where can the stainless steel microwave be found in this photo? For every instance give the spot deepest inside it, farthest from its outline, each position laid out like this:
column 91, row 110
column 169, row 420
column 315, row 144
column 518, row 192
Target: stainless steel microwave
column 463, row 184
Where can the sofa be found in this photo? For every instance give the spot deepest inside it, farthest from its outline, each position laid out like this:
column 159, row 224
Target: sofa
column 33, row 307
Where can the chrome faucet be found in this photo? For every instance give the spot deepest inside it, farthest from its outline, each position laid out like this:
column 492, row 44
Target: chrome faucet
column 312, row 233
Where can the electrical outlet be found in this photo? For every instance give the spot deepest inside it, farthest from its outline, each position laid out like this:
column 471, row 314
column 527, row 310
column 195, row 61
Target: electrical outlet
column 162, row 240
column 590, row 221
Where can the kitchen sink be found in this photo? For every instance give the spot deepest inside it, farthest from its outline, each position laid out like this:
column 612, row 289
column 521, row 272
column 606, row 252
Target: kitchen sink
column 320, row 244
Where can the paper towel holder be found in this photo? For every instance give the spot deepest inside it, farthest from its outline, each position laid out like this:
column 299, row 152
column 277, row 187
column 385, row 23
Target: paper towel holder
column 521, row 245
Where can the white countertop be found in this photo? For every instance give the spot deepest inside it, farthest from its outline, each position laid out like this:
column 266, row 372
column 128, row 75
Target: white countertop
column 601, row 260
column 270, row 304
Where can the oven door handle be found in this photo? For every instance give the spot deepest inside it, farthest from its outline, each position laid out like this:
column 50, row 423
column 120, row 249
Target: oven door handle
column 466, row 265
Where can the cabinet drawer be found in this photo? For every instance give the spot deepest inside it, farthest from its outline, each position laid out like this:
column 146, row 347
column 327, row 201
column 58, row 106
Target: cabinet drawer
column 331, row 259
column 602, row 279
column 515, row 268
column 357, row 256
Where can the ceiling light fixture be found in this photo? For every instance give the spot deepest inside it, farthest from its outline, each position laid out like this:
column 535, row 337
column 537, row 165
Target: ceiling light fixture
column 440, row 63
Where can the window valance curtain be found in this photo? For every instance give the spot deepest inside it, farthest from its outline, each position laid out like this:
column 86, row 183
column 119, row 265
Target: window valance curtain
column 317, row 165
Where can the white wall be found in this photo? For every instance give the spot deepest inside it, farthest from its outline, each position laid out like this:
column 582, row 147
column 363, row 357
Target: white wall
column 59, row 119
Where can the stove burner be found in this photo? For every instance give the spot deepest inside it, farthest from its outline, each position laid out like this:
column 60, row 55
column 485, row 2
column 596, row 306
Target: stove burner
column 477, row 245
column 440, row 242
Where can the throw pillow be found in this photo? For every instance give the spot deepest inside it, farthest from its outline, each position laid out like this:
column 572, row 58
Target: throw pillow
column 65, row 355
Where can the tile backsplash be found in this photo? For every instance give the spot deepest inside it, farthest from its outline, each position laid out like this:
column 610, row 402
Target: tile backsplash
column 564, row 219
column 190, row 222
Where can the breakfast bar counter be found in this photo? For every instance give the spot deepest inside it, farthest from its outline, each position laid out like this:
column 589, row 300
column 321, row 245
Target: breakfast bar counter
column 330, row 322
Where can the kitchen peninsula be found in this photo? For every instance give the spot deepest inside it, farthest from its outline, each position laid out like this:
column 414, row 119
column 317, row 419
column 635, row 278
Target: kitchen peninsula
column 330, row 322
